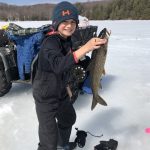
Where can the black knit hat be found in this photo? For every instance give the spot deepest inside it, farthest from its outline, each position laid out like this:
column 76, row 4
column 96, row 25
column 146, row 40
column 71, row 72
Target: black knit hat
column 64, row 11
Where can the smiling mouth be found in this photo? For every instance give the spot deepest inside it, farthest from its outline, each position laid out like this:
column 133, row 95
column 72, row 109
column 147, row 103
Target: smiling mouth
column 68, row 30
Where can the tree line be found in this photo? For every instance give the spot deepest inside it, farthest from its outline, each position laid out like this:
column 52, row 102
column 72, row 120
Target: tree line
column 117, row 10
column 98, row 10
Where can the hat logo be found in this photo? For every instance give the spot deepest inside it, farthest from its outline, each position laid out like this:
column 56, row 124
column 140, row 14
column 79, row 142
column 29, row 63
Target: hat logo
column 66, row 12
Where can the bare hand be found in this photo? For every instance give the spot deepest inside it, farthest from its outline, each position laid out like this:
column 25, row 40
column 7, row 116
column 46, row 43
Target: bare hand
column 91, row 45
column 94, row 43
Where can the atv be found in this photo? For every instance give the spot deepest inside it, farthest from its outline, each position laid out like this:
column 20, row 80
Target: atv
column 16, row 62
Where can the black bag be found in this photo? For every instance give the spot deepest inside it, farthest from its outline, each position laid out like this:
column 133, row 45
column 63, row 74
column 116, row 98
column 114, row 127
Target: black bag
column 3, row 39
column 107, row 145
column 82, row 36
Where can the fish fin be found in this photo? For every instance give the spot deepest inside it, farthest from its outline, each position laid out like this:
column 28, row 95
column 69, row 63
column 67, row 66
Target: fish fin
column 91, row 64
column 94, row 103
column 97, row 99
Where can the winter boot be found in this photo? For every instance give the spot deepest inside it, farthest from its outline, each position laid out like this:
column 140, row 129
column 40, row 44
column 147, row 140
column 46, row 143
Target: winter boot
column 63, row 138
column 69, row 146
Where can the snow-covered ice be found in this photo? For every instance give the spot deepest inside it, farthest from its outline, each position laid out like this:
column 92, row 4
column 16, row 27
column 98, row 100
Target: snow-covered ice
column 126, row 89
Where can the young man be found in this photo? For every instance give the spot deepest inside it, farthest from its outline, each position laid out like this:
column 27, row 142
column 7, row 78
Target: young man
column 55, row 112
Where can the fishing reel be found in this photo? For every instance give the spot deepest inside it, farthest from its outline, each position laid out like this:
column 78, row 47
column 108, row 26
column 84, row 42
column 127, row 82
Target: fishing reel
column 78, row 73
column 77, row 76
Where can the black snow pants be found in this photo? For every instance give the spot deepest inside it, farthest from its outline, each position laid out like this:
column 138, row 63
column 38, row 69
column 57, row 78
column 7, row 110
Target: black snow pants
column 55, row 122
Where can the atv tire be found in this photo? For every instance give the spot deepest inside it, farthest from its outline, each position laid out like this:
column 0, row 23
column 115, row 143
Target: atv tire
column 4, row 85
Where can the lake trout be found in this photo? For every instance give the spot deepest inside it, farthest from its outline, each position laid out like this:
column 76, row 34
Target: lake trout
column 96, row 69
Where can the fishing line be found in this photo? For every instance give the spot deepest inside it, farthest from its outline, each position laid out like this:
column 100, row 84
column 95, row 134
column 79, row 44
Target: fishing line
column 98, row 136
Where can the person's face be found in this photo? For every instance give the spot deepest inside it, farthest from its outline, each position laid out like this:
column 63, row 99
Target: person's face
column 67, row 28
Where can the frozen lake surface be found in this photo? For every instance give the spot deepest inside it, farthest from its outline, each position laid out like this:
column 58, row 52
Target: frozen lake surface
column 126, row 89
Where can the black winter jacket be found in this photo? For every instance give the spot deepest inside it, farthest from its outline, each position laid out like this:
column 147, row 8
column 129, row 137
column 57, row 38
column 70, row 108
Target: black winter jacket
column 54, row 63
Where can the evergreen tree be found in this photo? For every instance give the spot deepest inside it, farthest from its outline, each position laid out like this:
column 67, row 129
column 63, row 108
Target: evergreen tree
column 101, row 10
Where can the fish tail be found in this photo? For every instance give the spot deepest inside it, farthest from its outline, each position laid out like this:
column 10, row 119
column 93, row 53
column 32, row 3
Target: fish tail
column 98, row 99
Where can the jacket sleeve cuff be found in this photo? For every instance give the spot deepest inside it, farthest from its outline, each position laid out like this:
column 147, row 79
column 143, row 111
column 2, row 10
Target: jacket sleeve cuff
column 75, row 57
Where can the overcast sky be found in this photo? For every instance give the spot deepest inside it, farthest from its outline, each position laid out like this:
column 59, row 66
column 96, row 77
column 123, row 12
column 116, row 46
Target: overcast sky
column 29, row 2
